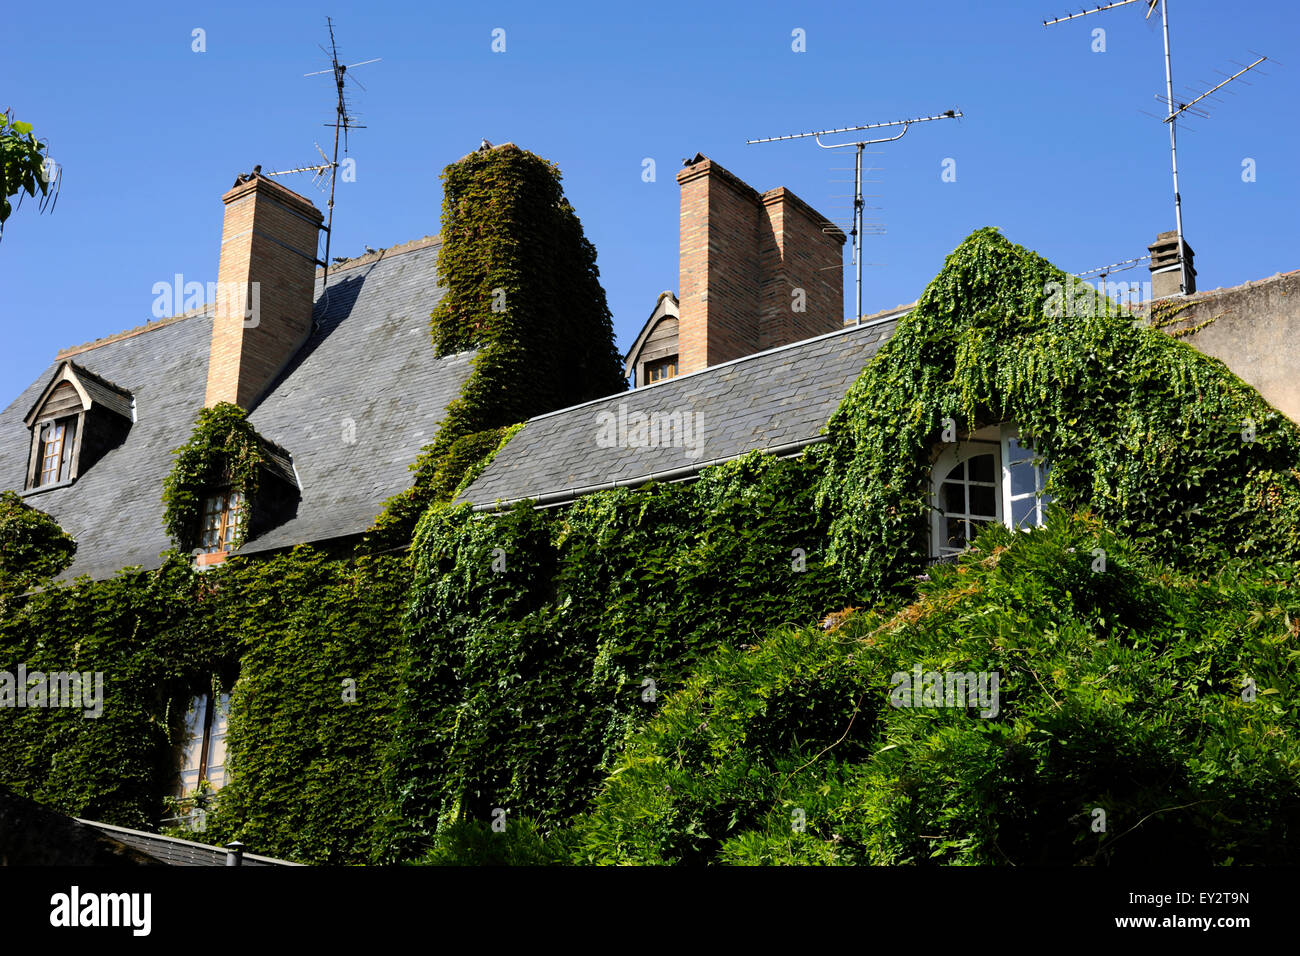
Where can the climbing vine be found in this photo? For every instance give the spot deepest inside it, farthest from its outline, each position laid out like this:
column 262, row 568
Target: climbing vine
column 223, row 451
column 1160, row 441
column 33, row 548
column 523, row 290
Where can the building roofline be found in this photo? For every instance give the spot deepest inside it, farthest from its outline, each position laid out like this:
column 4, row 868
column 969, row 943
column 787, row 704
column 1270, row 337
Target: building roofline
column 206, row 309
column 846, row 330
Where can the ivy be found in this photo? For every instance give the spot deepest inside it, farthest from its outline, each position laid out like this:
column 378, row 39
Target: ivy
column 1160, row 441
column 223, row 451
column 33, row 548
column 535, row 641
column 523, row 290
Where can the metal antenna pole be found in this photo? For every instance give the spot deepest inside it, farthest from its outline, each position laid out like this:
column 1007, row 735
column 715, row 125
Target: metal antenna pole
column 1173, row 151
column 857, row 227
column 1173, row 110
column 342, row 122
column 334, row 162
column 858, row 203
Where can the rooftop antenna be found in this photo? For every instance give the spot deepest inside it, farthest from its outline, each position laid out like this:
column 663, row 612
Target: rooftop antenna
column 1101, row 272
column 343, row 121
column 857, row 177
column 1173, row 109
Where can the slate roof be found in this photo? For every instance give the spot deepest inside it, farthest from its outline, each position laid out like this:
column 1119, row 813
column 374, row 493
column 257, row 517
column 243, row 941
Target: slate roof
column 772, row 401
column 369, row 362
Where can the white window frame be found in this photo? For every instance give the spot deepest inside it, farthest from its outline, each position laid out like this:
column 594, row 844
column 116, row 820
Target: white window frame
column 951, row 457
column 997, row 440
column 1040, row 465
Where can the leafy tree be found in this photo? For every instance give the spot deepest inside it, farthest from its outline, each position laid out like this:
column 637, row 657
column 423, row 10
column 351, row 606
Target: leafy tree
column 24, row 165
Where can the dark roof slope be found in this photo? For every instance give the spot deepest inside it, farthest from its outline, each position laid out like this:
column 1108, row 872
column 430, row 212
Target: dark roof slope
column 362, row 397
column 369, row 362
column 770, row 401
column 114, row 510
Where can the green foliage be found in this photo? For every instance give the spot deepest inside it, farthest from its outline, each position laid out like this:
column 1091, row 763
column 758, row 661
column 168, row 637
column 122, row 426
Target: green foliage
column 317, row 642
column 522, row 289
column 520, row 843
column 283, row 634
column 22, row 164
column 223, row 451
column 141, row 631
column 532, row 636
column 1139, row 428
column 33, row 548
column 1120, row 690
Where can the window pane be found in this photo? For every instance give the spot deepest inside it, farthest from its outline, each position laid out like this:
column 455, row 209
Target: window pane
column 954, row 498
column 217, row 743
column 982, row 501
column 192, row 743
column 956, row 537
column 981, row 468
column 957, row 474
column 1024, row 477
column 1024, row 512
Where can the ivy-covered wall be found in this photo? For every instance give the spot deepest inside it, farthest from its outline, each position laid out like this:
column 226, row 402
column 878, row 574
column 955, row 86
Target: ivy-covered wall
column 506, row 698
column 505, row 665
column 536, row 640
column 1163, row 443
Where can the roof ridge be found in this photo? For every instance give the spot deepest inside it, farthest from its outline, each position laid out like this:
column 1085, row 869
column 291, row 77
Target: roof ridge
column 845, row 330
column 401, row 248
column 130, row 333
column 370, row 257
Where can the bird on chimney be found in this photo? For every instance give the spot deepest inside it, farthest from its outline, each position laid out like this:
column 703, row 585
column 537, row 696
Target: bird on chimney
column 369, row 250
column 484, row 146
column 245, row 177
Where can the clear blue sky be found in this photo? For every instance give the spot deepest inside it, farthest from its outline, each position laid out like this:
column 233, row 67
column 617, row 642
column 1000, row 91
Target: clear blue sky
column 1054, row 148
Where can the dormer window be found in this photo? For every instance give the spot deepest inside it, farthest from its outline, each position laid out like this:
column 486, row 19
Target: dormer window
column 56, row 442
column 653, row 356
column 78, row 418
column 222, row 514
column 992, row 475
column 660, row 370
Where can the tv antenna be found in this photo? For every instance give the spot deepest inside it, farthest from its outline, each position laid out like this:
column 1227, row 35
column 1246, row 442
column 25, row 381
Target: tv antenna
column 857, row 176
column 1173, row 109
column 343, row 121
column 1101, row 272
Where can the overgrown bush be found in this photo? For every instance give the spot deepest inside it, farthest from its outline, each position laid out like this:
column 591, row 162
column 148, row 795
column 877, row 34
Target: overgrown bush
column 1164, row 701
column 33, row 548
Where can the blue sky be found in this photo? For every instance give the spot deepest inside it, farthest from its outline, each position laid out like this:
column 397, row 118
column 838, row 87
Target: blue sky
column 1054, row 148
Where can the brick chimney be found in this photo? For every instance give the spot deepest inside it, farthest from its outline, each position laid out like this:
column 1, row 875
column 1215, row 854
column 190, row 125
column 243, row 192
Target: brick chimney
column 1166, row 276
column 265, row 288
column 757, row 270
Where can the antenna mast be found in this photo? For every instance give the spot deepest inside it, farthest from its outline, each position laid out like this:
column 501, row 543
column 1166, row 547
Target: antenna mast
column 343, row 121
column 857, row 174
column 1172, row 113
